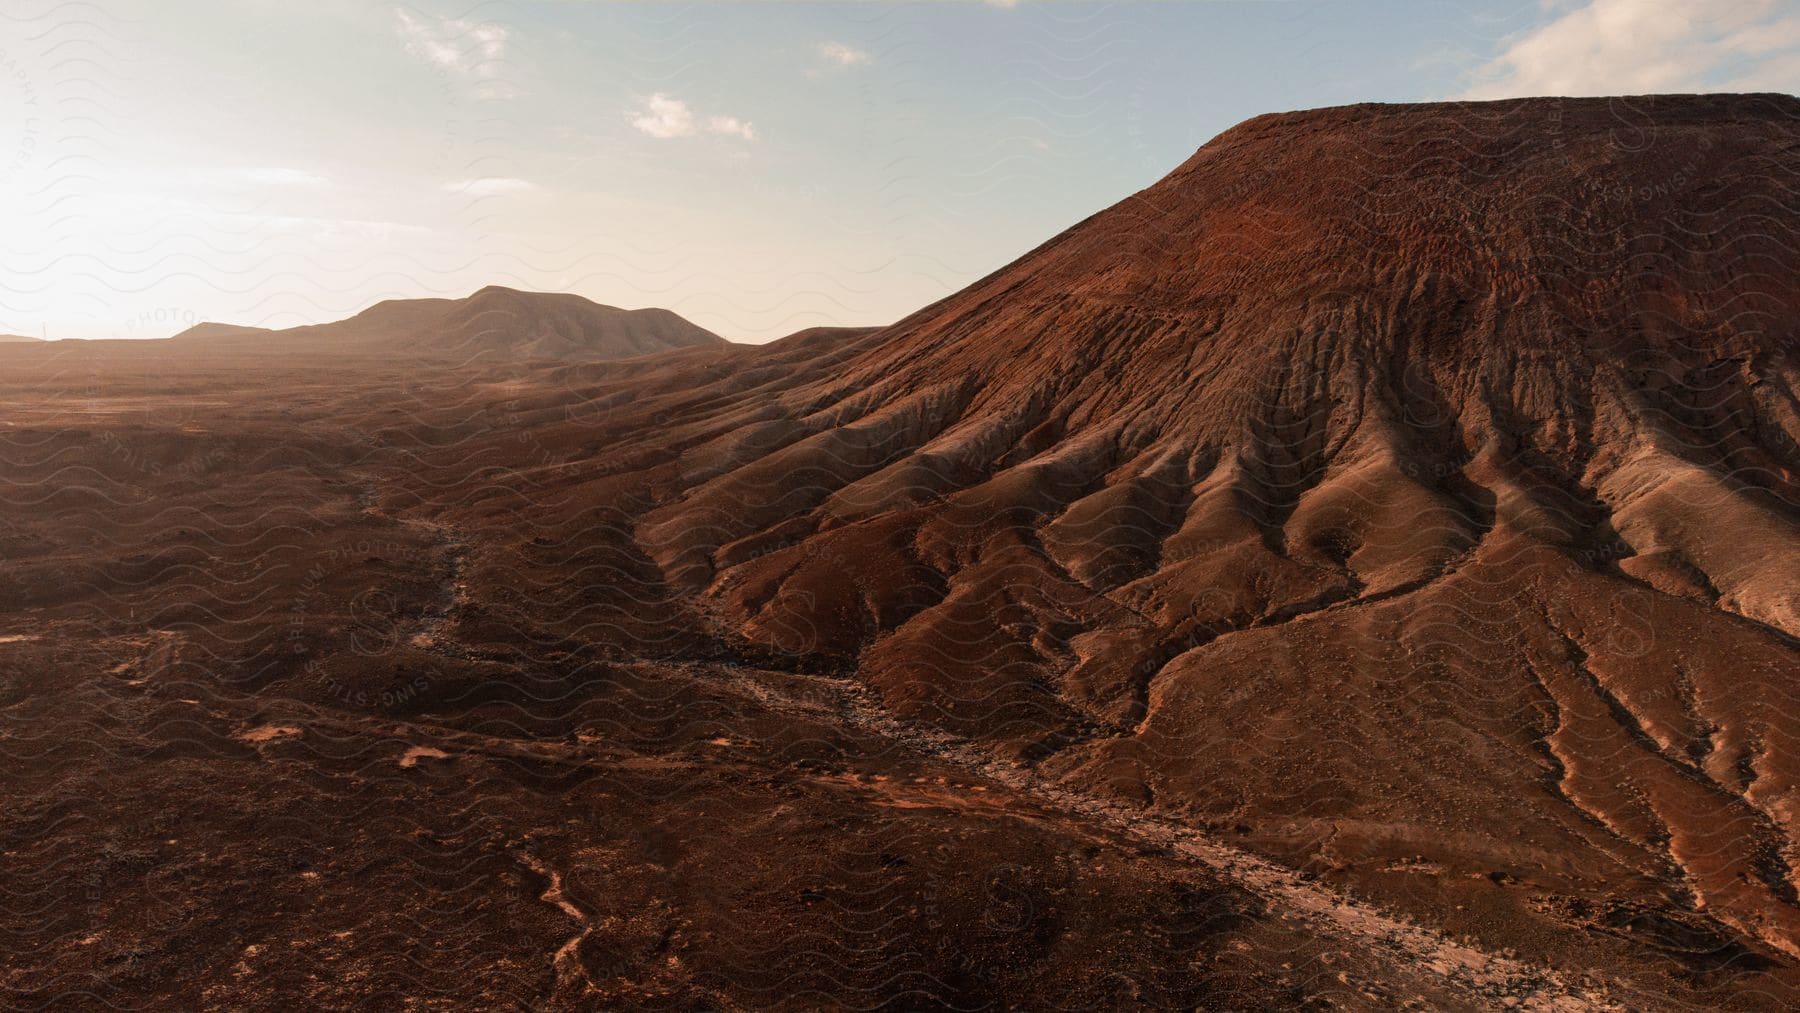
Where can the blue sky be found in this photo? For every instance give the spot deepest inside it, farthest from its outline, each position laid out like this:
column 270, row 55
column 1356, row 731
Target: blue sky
column 758, row 167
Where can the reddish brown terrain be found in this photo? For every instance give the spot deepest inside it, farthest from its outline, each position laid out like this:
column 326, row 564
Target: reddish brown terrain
column 1360, row 571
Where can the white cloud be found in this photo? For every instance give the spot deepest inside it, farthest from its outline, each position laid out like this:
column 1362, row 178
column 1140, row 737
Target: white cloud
column 1624, row 47
column 731, row 126
column 665, row 116
column 842, row 55
column 468, row 48
column 489, row 186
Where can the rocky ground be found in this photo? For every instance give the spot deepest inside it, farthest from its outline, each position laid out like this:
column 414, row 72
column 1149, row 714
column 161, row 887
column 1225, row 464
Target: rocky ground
column 1358, row 571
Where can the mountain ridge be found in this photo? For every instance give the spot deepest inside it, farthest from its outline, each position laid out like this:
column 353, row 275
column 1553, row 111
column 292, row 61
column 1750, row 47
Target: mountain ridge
column 494, row 321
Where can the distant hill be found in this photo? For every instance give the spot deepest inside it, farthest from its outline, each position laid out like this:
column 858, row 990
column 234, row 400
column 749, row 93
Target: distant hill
column 209, row 329
column 19, row 337
column 493, row 323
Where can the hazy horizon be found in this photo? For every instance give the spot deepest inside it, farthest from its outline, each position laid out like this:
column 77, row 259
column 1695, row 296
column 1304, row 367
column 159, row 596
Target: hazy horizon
column 756, row 170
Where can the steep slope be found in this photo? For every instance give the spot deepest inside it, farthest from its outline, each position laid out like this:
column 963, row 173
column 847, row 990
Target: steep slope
column 1387, row 481
column 495, row 323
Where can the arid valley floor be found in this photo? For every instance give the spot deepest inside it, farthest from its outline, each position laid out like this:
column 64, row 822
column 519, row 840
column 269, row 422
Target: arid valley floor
column 1359, row 571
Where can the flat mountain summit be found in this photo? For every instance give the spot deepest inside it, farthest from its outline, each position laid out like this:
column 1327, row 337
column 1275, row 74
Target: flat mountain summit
column 495, row 322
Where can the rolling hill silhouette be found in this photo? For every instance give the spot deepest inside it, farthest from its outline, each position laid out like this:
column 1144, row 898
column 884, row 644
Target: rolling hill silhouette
column 494, row 323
